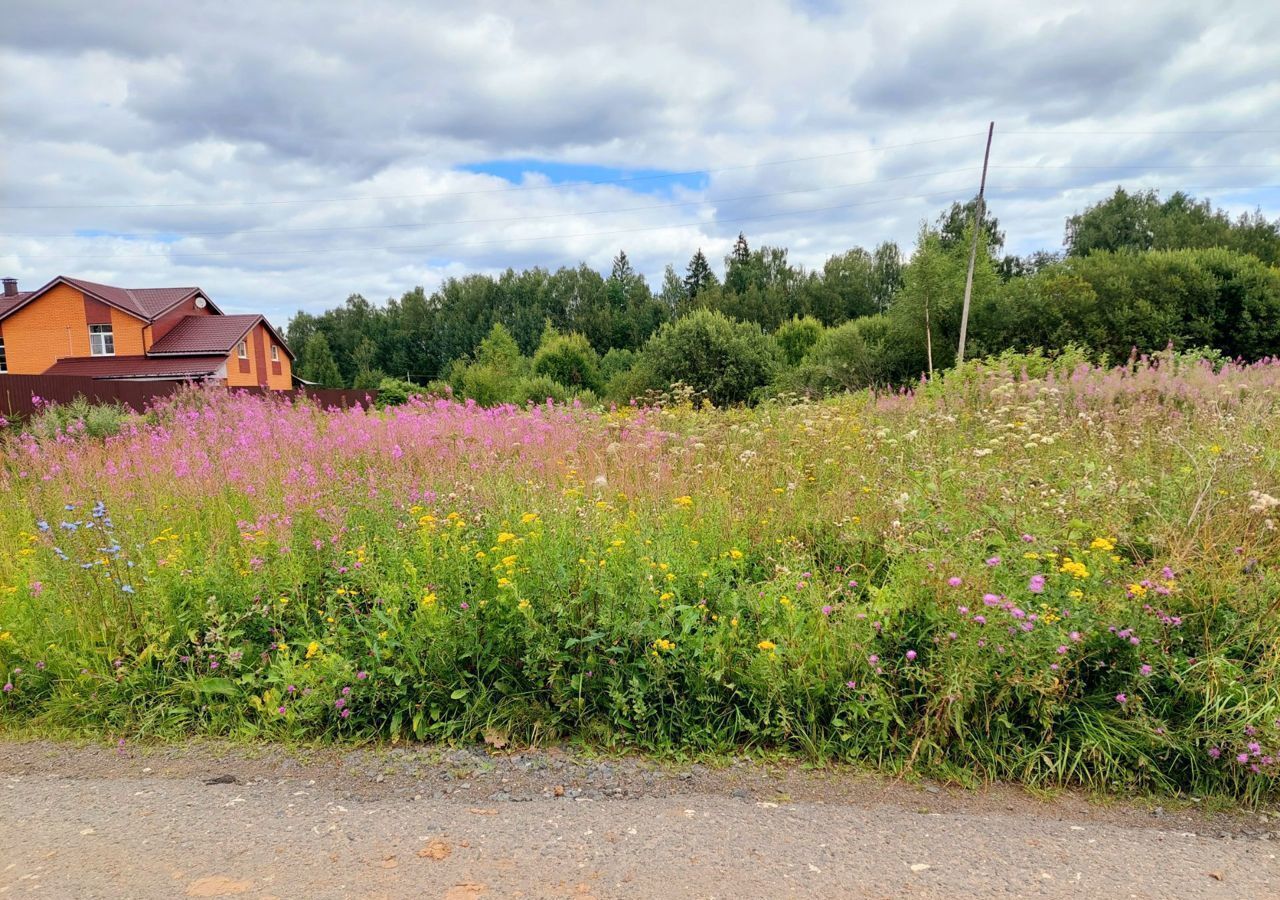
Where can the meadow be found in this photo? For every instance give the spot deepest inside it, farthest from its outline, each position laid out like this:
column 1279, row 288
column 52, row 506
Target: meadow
column 1050, row 574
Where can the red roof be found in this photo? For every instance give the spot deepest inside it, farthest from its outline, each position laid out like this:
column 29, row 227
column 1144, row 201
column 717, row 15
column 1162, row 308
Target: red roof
column 138, row 366
column 204, row 334
column 145, row 302
column 9, row 302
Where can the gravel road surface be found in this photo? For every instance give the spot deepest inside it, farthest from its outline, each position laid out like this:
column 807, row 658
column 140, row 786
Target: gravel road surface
column 93, row 822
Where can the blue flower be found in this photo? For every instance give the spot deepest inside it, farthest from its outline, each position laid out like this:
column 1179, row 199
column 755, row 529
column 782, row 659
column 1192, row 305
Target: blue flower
column 42, row 525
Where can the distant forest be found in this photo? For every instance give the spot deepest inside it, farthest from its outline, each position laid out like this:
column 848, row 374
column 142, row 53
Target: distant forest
column 1135, row 272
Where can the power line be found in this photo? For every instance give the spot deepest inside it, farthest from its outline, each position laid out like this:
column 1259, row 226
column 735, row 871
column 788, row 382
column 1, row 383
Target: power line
column 517, row 188
column 1176, row 132
column 503, row 240
column 598, row 212
column 179, row 254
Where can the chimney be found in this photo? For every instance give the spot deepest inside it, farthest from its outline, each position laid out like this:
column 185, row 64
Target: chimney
column 11, row 287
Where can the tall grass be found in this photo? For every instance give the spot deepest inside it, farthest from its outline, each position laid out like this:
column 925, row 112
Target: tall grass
column 1066, row 579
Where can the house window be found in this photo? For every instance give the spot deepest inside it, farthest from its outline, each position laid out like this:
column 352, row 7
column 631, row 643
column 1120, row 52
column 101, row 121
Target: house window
column 4, row 360
column 242, row 350
column 275, row 353
column 101, row 341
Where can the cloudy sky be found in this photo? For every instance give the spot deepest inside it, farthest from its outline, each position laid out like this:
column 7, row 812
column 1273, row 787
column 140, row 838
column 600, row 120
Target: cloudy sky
column 283, row 155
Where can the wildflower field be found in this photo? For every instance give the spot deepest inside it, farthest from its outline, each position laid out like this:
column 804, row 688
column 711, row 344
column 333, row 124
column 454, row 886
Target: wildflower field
column 1065, row 579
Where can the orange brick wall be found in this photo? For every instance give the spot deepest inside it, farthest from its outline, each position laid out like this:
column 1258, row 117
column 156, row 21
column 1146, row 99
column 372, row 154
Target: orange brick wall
column 236, row 378
column 259, row 337
column 54, row 326
column 127, row 332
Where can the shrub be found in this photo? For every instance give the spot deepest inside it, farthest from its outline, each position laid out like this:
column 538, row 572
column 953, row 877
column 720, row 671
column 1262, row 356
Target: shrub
column 726, row 359
column 797, row 336
column 569, row 360
column 79, row 418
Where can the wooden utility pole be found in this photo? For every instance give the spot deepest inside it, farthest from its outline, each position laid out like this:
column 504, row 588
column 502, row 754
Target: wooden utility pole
column 973, row 248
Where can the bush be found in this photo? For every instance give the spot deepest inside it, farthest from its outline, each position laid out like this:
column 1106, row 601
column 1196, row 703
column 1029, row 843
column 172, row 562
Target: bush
column 617, row 361
column 723, row 358
column 569, row 360
column 79, row 418
column 395, row 392
column 846, row 358
column 796, row 337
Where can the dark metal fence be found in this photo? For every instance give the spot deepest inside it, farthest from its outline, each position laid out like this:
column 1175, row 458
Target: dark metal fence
column 19, row 393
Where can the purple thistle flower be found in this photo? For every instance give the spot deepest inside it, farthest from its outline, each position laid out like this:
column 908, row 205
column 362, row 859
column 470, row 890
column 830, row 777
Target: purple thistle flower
column 1122, row 698
column 1036, row 584
column 954, row 581
column 828, row 610
column 1214, row 752
column 911, row 655
column 993, row 561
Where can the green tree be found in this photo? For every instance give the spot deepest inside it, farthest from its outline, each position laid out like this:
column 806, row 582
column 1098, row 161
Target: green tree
column 318, row 365
column 698, row 277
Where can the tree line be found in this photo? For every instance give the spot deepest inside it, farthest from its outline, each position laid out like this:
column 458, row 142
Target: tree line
column 1135, row 272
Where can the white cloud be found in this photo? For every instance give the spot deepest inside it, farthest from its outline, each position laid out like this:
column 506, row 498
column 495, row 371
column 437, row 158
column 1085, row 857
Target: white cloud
column 125, row 118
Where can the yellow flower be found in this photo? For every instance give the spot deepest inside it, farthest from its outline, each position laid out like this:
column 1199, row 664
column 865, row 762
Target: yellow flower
column 1102, row 543
column 312, row 649
column 685, row 501
column 509, row 561
column 666, row 595
column 1137, row 590
column 504, row 536
column 481, row 555
column 1215, row 449
column 528, row 518
column 1075, row 569
column 1031, row 554
column 784, row 600
column 504, row 582
column 7, row 636
column 662, row 645
column 1075, row 595
column 735, row 553
column 284, row 601
column 429, row 598
column 524, row 604
column 767, row 646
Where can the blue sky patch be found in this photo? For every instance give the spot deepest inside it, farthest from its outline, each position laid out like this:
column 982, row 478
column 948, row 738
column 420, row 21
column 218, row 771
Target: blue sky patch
column 163, row 237
column 641, row 181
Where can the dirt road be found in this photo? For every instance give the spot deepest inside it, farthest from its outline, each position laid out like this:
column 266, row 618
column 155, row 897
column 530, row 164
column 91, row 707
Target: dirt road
column 93, row 822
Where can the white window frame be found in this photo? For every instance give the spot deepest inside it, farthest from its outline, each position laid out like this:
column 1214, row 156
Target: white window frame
column 275, row 353
column 102, row 341
column 242, row 350
column 4, row 357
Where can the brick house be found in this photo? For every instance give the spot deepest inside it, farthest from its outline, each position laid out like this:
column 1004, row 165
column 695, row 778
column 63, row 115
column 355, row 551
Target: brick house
column 75, row 327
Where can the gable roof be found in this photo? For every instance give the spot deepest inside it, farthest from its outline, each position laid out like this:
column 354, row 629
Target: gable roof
column 138, row 366
column 147, row 304
column 210, row 334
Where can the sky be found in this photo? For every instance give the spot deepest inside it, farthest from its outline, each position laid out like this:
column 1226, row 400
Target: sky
column 285, row 155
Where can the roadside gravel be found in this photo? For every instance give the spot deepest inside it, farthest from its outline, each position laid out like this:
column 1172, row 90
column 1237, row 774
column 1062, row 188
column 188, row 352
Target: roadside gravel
column 94, row 822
